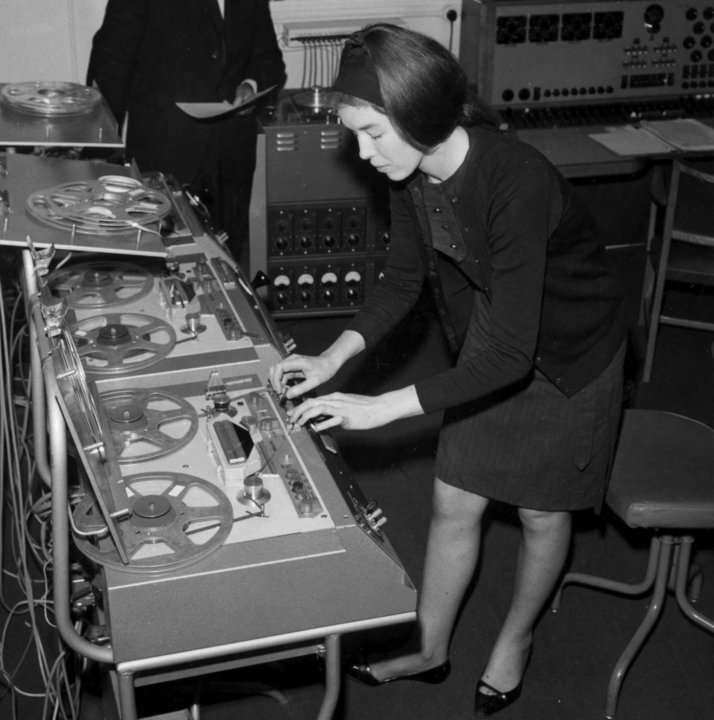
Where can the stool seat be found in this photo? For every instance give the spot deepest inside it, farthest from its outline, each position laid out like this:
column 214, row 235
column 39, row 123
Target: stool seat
column 663, row 475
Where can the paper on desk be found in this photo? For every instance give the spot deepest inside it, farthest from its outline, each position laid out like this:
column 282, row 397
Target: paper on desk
column 203, row 111
column 630, row 140
column 684, row 133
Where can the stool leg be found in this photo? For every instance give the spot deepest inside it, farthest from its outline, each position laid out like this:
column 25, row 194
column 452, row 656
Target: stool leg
column 694, row 583
column 653, row 612
column 681, row 586
column 615, row 586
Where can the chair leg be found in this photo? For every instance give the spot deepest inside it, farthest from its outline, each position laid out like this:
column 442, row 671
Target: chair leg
column 668, row 568
column 683, row 582
column 650, row 346
column 657, row 297
column 653, row 612
column 615, row 586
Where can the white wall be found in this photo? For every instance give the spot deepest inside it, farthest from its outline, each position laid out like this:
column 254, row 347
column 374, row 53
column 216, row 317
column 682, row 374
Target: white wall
column 426, row 16
column 47, row 39
column 88, row 16
column 51, row 39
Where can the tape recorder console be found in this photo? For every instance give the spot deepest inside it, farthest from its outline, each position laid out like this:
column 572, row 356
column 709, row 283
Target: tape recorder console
column 320, row 221
column 209, row 526
column 624, row 59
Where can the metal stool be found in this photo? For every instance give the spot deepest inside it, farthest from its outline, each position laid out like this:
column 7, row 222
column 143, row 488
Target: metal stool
column 662, row 480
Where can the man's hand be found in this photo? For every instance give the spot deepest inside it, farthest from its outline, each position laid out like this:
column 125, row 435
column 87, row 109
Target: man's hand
column 244, row 92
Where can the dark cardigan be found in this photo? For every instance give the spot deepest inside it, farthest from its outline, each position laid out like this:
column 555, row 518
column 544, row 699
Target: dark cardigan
column 517, row 232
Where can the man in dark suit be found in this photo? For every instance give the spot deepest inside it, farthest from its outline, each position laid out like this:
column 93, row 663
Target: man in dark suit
column 150, row 54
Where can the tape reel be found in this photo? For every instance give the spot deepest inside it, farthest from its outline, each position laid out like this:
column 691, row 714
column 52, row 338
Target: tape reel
column 51, row 98
column 121, row 342
column 175, row 519
column 101, row 283
column 148, row 424
column 113, row 204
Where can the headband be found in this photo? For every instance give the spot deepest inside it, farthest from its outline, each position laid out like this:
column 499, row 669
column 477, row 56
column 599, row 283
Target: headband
column 357, row 75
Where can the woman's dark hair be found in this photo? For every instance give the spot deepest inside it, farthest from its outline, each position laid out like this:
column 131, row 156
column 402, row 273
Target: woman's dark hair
column 424, row 88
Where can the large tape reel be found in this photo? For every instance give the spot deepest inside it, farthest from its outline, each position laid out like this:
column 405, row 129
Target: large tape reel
column 148, row 424
column 175, row 520
column 51, row 98
column 112, row 204
column 121, row 342
column 101, row 283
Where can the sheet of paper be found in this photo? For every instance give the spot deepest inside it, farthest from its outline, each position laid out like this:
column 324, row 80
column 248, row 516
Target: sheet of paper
column 630, row 140
column 203, row 111
column 684, row 133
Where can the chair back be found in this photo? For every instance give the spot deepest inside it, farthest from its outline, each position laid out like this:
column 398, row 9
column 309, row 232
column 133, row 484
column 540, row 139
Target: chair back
column 680, row 248
column 692, row 197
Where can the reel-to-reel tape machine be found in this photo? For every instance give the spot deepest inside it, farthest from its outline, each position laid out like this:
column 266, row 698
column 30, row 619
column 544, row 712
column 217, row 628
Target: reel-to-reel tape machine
column 149, row 353
column 194, row 495
column 160, row 318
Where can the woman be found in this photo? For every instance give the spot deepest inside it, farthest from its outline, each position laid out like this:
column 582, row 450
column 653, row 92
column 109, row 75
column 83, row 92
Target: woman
column 528, row 299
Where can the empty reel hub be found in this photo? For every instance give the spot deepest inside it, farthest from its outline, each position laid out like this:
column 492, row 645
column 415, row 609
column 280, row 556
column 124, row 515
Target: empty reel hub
column 113, row 204
column 121, row 342
column 148, row 424
column 176, row 519
column 51, row 98
column 101, row 283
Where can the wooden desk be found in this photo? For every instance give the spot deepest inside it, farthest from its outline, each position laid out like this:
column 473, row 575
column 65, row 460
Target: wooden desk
column 616, row 188
column 577, row 155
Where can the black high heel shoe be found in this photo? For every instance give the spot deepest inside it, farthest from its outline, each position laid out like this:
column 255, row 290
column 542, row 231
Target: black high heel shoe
column 490, row 703
column 433, row 676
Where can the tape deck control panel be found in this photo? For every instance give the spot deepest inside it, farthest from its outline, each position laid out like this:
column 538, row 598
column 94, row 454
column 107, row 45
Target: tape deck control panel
column 525, row 54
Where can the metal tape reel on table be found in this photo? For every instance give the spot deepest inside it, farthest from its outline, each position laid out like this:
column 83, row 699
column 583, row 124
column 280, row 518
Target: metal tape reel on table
column 50, row 98
column 122, row 342
column 112, row 204
column 101, row 283
column 148, row 424
column 175, row 519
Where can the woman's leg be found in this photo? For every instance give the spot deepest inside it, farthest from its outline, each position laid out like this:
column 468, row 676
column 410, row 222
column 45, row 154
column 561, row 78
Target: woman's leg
column 544, row 547
column 451, row 556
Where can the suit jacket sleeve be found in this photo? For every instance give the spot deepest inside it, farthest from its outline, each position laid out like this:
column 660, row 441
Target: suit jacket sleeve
column 115, row 49
column 266, row 64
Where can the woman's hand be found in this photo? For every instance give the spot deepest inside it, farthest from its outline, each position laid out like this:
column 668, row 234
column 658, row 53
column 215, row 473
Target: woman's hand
column 355, row 412
column 298, row 374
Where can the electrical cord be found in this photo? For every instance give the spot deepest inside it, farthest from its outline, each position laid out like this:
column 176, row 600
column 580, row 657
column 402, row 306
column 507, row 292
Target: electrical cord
column 36, row 670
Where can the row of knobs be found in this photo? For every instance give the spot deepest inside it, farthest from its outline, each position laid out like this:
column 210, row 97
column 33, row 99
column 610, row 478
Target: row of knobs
column 305, row 242
column 328, row 286
column 306, row 502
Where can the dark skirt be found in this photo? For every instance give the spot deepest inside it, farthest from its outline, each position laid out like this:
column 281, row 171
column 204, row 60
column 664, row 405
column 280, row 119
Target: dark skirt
column 533, row 447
